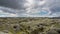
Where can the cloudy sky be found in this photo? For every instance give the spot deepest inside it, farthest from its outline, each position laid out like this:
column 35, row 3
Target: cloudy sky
column 29, row 8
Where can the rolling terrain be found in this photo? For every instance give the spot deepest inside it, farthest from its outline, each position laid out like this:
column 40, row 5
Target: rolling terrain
column 30, row 25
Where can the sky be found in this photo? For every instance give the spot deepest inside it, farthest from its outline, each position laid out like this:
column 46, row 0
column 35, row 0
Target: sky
column 29, row 8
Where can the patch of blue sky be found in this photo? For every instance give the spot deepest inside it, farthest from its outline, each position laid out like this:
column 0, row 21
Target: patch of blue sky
column 43, row 12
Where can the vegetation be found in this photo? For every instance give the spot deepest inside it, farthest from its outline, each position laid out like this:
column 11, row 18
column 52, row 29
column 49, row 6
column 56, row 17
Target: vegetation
column 29, row 25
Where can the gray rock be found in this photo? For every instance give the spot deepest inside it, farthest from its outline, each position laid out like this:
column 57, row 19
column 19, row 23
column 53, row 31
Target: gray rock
column 52, row 32
column 3, row 33
column 57, row 29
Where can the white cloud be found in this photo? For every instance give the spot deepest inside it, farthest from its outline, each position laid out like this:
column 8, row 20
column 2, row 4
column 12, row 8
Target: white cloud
column 33, row 8
column 5, row 14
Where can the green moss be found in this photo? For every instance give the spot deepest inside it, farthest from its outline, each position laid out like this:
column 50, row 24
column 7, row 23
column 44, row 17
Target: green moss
column 29, row 25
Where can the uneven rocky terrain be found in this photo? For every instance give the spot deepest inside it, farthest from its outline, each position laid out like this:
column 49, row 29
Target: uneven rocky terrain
column 24, row 25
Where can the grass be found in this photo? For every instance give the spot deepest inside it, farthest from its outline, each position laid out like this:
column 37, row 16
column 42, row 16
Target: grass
column 28, row 25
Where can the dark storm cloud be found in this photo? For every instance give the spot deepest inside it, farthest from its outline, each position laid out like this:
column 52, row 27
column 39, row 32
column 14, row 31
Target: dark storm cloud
column 13, row 11
column 55, row 7
column 15, row 4
column 8, row 10
column 27, row 7
column 12, row 6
